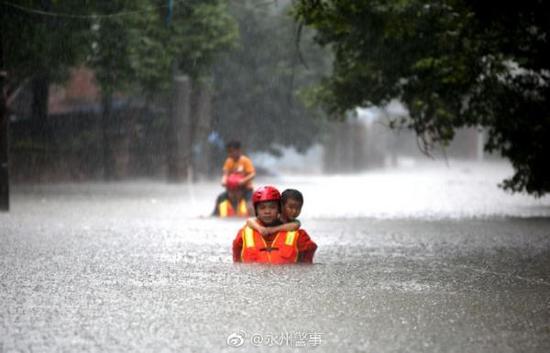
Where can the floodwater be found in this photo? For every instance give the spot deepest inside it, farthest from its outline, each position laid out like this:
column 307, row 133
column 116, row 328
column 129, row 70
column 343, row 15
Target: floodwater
column 417, row 259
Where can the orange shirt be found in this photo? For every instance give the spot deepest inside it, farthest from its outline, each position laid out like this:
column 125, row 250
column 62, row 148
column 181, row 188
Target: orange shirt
column 243, row 166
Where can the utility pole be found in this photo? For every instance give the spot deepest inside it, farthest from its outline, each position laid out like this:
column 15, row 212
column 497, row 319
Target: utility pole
column 179, row 130
column 4, row 134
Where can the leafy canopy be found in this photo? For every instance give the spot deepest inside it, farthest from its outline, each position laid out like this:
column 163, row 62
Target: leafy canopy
column 257, row 82
column 144, row 49
column 453, row 63
column 129, row 43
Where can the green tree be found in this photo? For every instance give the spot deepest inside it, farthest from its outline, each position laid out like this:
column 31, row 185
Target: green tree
column 134, row 46
column 256, row 84
column 453, row 63
column 147, row 48
column 39, row 37
column 140, row 51
column 41, row 43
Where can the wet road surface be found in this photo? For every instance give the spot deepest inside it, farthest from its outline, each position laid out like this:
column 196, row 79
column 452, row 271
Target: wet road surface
column 136, row 267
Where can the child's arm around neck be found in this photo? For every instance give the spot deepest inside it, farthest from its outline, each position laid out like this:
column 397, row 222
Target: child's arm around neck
column 289, row 226
column 255, row 224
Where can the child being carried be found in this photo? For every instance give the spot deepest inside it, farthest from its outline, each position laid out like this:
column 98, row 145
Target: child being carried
column 291, row 206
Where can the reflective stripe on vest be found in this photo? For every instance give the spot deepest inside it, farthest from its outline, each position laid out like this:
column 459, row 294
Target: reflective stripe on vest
column 249, row 237
column 290, row 238
column 243, row 209
column 283, row 249
column 225, row 209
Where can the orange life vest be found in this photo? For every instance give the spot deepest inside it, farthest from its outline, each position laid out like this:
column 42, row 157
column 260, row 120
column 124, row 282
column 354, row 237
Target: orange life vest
column 283, row 249
column 225, row 209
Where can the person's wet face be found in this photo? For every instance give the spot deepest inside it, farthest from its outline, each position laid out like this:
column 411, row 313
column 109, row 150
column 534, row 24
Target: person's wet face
column 234, row 153
column 267, row 211
column 292, row 209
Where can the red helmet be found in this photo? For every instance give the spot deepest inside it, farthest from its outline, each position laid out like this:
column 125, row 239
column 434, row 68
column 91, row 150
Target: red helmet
column 265, row 193
column 233, row 181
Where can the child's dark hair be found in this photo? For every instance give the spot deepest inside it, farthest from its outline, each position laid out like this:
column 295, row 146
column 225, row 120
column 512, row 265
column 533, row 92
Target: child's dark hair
column 292, row 194
column 233, row 144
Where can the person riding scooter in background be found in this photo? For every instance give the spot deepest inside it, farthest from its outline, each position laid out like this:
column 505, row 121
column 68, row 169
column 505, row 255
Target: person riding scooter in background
column 237, row 162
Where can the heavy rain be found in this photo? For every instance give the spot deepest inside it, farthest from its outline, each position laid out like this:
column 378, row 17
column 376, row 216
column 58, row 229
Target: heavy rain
column 141, row 146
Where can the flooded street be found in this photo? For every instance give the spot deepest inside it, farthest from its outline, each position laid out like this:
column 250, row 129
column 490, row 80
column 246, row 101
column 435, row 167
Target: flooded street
column 417, row 259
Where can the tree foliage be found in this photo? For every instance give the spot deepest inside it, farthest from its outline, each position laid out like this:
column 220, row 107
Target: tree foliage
column 453, row 63
column 39, row 41
column 258, row 82
column 144, row 49
column 136, row 47
column 129, row 43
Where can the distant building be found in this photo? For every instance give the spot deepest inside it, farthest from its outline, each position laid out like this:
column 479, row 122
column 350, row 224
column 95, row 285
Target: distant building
column 365, row 141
